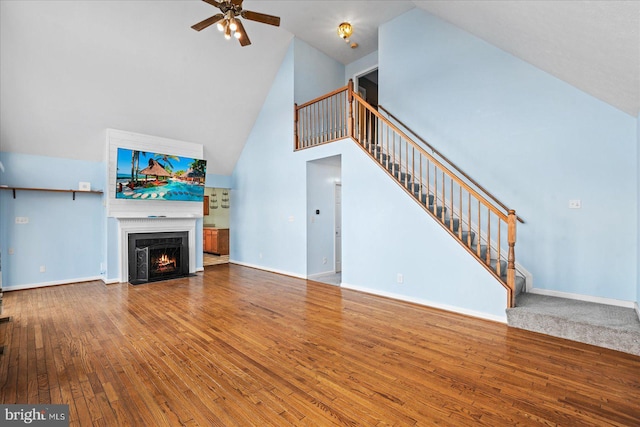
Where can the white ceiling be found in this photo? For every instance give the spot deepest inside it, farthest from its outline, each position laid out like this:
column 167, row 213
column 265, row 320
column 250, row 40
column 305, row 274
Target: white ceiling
column 76, row 68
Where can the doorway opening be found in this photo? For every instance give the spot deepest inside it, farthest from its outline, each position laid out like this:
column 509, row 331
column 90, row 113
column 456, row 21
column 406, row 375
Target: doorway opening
column 215, row 229
column 366, row 85
column 324, row 220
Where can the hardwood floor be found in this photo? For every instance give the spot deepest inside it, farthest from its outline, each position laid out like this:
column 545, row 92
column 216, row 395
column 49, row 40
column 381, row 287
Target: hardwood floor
column 242, row 347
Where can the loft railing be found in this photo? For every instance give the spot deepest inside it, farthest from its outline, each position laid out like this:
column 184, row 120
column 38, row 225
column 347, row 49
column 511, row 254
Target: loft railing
column 485, row 228
column 322, row 120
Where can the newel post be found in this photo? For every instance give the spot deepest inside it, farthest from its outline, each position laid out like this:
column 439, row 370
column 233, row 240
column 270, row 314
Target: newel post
column 350, row 100
column 511, row 261
column 295, row 127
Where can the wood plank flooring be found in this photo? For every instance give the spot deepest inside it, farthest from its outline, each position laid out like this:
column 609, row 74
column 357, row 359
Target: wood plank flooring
column 241, row 347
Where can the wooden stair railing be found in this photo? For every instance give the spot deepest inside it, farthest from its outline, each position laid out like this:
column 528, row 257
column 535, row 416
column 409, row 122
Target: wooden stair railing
column 444, row 159
column 323, row 120
column 485, row 229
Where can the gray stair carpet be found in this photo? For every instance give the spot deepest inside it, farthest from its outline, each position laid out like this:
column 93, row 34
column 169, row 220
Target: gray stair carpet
column 608, row 326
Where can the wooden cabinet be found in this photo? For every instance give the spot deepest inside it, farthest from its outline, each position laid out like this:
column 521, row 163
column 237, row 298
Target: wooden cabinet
column 216, row 240
column 206, row 241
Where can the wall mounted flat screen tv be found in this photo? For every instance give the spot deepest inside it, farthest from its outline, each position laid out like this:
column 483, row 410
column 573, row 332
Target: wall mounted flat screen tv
column 144, row 175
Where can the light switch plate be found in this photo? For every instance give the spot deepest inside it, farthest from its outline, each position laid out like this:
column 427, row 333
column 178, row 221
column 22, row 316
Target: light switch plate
column 575, row 204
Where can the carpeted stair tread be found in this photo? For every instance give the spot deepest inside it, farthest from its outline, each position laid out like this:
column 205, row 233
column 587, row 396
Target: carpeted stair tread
column 608, row 326
column 520, row 283
column 582, row 311
column 456, row 224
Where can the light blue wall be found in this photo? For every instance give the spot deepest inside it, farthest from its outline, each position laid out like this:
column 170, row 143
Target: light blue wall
column 384, row 231
column 268, row 213
column 269, row 186
column 533, row 140
column 363, row 64
column 315, row 73
column 65, row 236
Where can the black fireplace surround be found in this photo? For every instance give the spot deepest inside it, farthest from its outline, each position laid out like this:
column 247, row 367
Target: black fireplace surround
column 158, row 256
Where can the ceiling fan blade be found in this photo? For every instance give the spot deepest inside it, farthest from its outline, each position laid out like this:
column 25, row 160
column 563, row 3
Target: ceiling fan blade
column 237, row 2
column 244, row 38
column 261, row 17
column 213, row 3
column 207, row 22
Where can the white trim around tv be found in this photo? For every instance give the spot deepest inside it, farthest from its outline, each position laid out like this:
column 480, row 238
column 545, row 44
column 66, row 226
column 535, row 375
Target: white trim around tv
column 120, row 208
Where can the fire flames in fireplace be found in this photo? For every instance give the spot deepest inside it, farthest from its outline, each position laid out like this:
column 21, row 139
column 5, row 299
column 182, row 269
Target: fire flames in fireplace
column 165, row 263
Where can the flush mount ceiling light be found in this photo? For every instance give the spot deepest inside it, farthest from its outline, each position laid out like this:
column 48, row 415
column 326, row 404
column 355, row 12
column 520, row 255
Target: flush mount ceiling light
column 345, row 30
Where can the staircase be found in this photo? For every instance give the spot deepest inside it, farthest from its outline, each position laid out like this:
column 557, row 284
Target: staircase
column 441, row 213
column 484, row 226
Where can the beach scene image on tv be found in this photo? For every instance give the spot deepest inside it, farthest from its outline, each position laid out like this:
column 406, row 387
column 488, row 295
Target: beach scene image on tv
column 153, row 176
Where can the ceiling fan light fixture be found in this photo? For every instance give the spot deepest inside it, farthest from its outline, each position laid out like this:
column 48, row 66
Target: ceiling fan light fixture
column 345, row 30
column 233, row 25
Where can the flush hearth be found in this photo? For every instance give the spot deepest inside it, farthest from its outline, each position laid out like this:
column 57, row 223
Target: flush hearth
column 158, row 256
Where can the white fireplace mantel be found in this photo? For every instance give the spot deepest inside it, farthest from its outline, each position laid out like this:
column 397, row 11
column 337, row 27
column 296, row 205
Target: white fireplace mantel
column 128, row 225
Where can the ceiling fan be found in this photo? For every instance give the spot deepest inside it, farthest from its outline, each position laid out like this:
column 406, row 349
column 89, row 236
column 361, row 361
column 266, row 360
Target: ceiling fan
column 228, row 20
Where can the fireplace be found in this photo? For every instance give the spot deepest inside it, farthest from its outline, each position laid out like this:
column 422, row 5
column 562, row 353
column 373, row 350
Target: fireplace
column 128, row 226
column 158, row 256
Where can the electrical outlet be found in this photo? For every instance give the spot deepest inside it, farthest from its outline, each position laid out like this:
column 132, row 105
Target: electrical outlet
column 260, row 255
column 400, row 278
column 575, row 204
column 43, row 269
column 324, row 260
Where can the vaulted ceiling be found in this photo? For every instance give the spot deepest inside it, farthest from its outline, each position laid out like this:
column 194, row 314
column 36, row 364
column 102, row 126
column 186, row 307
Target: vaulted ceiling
column 68, row 70
column 592, row 45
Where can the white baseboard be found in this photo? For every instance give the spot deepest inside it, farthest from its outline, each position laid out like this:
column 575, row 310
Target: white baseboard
column 320, row 275
column 427, row 303
column 272, row 270
column 53, row 283
column 638, row 310
column 588, row 298
column 110, row 281
column 199, row 269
